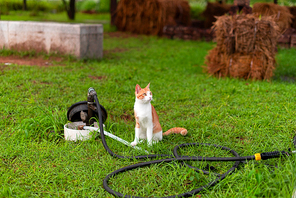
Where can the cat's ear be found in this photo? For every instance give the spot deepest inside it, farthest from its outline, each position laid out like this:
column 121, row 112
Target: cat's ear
column 148, row 86
column 138, row 88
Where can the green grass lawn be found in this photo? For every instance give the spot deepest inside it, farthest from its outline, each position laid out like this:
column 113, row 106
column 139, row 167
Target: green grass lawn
column 247, row 116
column 100, row 18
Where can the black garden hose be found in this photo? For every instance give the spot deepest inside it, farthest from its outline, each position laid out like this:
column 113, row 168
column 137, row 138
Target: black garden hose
column 176, row 157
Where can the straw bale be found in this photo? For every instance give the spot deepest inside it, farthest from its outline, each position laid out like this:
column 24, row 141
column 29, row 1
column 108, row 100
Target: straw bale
column 282, row 13
column 150, row 16
column 250, row 66
column 253, row 66
column 241, row 2
column 223, row 28
column 246, row 47
column 240, row 65
column 217, row 63
column 246, row 33
column 212, row 10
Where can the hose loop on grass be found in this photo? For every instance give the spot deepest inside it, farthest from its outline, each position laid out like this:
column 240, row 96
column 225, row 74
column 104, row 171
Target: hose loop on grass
column 173, row 158
column 218, row 178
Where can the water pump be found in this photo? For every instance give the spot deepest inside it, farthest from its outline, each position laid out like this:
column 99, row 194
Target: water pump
column 86, row 111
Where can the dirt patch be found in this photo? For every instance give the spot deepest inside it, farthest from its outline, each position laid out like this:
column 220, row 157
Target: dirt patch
column 115, row 50
column 89, row 12
column 126, row 118
column 97, row 77
column 2, row 68
column 42, row 82
column 38, row 61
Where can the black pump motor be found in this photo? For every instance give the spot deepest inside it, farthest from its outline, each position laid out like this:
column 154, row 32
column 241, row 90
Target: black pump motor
column 80, row 112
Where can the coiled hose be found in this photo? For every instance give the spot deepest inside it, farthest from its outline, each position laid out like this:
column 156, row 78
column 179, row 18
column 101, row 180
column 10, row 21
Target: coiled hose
column 176, row 157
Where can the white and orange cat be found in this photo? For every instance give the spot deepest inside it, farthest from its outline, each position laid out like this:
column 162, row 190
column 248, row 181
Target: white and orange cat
column 147, row 122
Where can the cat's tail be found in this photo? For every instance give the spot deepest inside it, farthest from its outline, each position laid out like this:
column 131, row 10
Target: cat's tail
column 182, row 131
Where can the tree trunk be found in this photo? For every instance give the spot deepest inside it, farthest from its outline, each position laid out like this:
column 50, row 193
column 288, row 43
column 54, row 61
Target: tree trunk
column 25, row 5
column 113, row 7
column 275, row 1
column 71, row 10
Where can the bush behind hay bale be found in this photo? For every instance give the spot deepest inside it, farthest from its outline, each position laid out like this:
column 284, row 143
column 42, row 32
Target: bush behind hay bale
column 283, row 15
column 150, row 16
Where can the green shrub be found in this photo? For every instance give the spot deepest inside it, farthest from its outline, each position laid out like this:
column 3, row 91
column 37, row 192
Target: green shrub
column 40, row 6
column 32, row 5
column 196, row 9
column 103, row 6
column 4, row 10
column 11, row 5
column 87, row 5
column 97, row 5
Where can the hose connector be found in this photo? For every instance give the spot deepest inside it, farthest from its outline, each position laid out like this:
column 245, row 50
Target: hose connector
column 269, row 155
column 91, row 91
column 257, row 156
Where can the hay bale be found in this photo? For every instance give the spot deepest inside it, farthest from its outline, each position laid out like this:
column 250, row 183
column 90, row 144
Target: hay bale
column 247, row 10
column 245, row 47
column 223, row 28
column 293, row 12
column 282, row 13
column 246, row 33
column 241, row 2
column 217, row 63
column 150, row 16
column 239, row 65
column 251, row 66
column 250, row 31
column 212, row 11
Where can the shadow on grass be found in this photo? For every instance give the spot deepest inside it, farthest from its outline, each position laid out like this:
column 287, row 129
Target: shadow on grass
column 288, row 79
column 286, row 66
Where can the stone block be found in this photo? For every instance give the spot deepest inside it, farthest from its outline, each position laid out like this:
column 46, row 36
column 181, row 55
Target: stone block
column 80, row 40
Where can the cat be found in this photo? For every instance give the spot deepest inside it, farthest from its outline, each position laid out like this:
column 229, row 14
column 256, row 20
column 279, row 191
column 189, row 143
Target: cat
column 147, row 121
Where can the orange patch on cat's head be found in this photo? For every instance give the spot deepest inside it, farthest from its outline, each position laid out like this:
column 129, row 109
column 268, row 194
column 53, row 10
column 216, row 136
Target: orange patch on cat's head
column 140, row 93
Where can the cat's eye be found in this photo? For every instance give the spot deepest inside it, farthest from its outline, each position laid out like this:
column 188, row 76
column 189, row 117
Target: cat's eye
column 144, row 94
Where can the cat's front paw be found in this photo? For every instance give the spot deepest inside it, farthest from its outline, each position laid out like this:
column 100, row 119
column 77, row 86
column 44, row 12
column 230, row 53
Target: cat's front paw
column 134, row 143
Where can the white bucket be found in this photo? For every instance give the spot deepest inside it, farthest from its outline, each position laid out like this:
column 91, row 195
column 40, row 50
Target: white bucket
column 71, row 132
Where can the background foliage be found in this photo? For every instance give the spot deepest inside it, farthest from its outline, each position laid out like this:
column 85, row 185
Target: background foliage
column 102, row 6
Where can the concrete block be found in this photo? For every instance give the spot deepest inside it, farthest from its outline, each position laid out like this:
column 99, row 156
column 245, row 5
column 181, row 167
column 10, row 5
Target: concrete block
column 80, row 40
